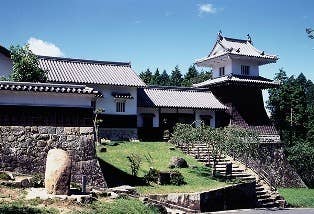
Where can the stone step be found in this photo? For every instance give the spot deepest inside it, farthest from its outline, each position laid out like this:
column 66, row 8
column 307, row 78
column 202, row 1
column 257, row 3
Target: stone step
column 265, row 201
column 234, row 170
column 261, row 192
column 263, row 196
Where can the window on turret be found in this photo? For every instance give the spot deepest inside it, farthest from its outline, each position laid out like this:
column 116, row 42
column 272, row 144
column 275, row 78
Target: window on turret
column 245, row 70
column 222, row 71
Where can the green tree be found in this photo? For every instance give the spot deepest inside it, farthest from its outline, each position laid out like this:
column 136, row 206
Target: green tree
column 190, row 76
column 146, row 76
column 155, row 78
column 26, row 66
column 292, row 110
column 176, row 77
column 202, row 76
column 164, row 79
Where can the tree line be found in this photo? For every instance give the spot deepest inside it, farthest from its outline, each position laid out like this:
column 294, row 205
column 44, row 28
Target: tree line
column 176, row 78
column 292, row 111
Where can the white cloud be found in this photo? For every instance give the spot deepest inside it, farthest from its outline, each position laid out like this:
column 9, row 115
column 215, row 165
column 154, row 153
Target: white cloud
column 40, row 47
column 207, row 8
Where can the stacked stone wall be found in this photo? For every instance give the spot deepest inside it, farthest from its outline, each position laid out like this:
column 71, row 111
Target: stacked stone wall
column 118, row 133
column 273, row 165
column 24, row 150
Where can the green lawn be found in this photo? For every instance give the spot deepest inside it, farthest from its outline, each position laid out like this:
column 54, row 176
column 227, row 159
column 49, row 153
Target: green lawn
column 298, row 197
column 197, row 179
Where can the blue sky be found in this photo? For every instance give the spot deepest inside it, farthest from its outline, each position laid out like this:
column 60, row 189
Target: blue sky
column 162, row 33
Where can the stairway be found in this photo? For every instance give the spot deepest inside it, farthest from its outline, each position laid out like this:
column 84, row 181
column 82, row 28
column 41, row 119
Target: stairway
column 267, row 197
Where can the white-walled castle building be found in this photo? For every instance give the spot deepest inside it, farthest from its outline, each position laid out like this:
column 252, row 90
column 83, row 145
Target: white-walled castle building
column 76, row 87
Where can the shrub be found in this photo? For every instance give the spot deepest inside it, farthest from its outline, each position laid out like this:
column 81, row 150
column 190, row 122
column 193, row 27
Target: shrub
column 135, row 163
column 176, row 178
column 152, row 175
column 37, row 180
column 4, row 176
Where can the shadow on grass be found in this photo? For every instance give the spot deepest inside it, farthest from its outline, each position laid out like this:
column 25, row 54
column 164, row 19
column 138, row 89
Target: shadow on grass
column 13, row 209
column 116, row 177
column 202, row 171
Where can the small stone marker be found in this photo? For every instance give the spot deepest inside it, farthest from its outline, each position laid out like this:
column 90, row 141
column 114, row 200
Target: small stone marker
column 229, row 169
column 84, row 180
column 58, row 172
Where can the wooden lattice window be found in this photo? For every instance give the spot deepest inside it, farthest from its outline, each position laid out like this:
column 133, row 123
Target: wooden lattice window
column 245, row 70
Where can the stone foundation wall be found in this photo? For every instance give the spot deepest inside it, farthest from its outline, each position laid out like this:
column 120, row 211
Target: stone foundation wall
column 24, row 150
column 118, row 133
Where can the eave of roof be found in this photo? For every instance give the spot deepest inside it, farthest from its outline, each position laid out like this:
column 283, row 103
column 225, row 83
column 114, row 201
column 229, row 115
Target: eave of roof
column 48, row 88
column 238, row 79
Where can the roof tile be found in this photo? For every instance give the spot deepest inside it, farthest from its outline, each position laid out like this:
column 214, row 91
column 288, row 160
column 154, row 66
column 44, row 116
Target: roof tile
column 89, row 71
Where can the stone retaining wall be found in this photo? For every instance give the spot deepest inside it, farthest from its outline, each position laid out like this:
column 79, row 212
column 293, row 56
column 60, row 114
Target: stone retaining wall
column 118, row 133
column 273, row 165
column 239, row 196
column 24, row 150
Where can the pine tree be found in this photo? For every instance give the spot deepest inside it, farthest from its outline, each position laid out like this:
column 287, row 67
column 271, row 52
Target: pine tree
column 146, row 76
column 190, row 76
column 164, row 79
column 176, row 77
column 155, row 78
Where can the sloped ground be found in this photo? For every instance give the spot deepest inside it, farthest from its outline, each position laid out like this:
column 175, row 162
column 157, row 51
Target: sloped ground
column 157, row 155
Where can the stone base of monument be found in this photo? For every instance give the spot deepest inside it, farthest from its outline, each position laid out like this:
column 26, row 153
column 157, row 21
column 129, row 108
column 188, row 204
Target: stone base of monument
column 42, row 194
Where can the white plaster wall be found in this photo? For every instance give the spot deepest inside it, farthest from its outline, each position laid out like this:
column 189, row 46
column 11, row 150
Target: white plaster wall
column 198, row 114
column 228, row 68
column 236, row 67
column 44, row 99
column 149, row 111
column 109, row 104
column 6, row 66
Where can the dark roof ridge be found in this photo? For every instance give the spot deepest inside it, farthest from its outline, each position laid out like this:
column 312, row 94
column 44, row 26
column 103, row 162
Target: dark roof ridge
column 5, row 51
column 85, row 60
column 235, row 40
column 43, row 84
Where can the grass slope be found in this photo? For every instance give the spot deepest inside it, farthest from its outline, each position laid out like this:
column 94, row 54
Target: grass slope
column 298, row 197
column 197, row 179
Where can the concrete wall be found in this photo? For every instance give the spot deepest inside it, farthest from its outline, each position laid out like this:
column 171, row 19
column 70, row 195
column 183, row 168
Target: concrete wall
column 25, row 148
column 5, row 66
column 241, row 196
column 44, row 99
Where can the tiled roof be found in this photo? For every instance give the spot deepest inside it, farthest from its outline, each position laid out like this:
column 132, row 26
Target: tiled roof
column 176, row 97
column 237, row 47
column 238, row 79
column 66, row 70
column 47, row 87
